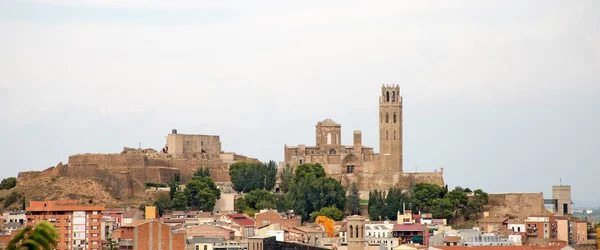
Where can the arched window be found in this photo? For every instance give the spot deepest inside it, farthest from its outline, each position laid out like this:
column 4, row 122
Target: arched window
column 387, row 117
column 205, row 247
column 351, row 231
column 387, row 96
column 356, row 232
column 197, row 247
column 393, row 96
column 296, row 153
column 394, row 117
column 328, row 138
column 386, row 135
column 394, row 135
column 332, row 151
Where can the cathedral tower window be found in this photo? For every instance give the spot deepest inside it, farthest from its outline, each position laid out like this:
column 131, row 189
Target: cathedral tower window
column 328, row 138
column 387, row 118
column 332, row 151
column 386, row 135
column 393, row 96
column 387, row 96
column 394, row 135
column 394, row 117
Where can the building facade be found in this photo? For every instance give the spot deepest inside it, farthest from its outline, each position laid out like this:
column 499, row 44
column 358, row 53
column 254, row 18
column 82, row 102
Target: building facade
column 146, row 235
column 78, row 226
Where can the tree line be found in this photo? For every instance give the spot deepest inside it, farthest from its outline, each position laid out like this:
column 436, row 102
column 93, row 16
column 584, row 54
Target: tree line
column 427, row 198
column 307, row 190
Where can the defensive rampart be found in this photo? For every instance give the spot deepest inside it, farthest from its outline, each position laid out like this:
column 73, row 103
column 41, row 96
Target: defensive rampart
column 516, row 204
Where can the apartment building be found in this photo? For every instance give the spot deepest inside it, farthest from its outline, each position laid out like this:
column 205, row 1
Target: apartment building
column 78, row 226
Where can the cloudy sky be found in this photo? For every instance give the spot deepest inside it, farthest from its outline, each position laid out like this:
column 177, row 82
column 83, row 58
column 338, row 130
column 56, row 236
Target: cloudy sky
column 504, row 95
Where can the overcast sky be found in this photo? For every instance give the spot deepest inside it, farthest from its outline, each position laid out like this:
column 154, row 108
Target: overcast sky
column 504, row 95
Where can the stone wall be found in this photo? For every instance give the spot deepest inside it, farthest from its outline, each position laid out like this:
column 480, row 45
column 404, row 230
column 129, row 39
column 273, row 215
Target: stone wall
column 516, row 204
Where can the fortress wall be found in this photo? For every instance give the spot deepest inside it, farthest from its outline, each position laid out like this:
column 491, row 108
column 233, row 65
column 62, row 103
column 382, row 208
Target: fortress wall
column 219, row 170
column 106, row 160
column 427, row 177
column 516, row 204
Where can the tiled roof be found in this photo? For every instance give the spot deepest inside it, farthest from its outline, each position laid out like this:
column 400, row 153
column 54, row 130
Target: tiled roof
column 498, row 247
column 408, row 227
column 309, row 230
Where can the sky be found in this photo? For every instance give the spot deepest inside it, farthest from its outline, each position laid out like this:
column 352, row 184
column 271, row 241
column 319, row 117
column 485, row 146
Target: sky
column 504, row 95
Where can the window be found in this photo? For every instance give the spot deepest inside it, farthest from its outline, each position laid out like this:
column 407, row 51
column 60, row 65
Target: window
column 205, row 247
column 394, row 117
column 94, row 235
column 387, row 118
column 95, row 212
column 386, row 135
column 94, row 220
column 296, row 153
column 300, row 161
column 387, row 96
column 393, row 96
column 328, row 138
column 197, row 247
column 394, row 135
column 94, row 227
column 332, row 151
column 349, row 169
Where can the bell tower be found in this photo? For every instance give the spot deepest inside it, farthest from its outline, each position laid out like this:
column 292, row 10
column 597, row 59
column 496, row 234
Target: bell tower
column 390, row 128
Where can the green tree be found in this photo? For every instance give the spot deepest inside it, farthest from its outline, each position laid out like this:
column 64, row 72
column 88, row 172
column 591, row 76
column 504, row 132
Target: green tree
column 270, row 175
column 284, row 202
column 441, row 208
column 173, row 187
column 286, row 177
column 41, row 237
column 202, row 193
column 179, row 201
column 458, row 198
column 259, row 199
column 475, row 205
column 377, row 206
column 354, row 199
column 331, row 212
column 202, row 172
column 395, row 201
column 11, row 198
column 311, row 190
column 424, row 194
column 163, row 203
column 8, row 183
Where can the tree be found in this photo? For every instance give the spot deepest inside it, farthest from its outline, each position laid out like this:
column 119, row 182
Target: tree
column 202, row 172
column 202, row 193
column 258, row 199
column 179, row 201
column 396, row 201
column 286, row 177
column 270, row 175
column 311, row 190
column 173, row 187
column 441, row 208
column 8, row 183
column 424, row 194
column 475, row 205
column 284, row 202
column 41, row 237
column 331, row 212
column 163, row 203
column 377, row 207
column 354, row 199
column 458, row 198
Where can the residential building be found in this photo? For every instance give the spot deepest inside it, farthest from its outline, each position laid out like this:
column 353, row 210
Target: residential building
column 518, row 238
column 578, row 232
column 411, row 233
column 516, row 225
column 538, row 227
column 380, row 232
column 150, row 234
column 115, row 213
column 491, row 224
column 78, row 226
column 209, row 231
column 563, row 229
column 107, row 226
column 269, row 243
column 131, row 215
column 266, row 217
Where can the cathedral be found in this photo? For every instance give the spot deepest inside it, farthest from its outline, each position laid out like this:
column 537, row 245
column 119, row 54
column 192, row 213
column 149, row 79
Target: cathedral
column 359, row 163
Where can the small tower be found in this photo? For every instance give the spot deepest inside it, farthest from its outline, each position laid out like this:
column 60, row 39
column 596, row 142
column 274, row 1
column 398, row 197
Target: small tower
column 390, row 128
column 355, row 226
column 329, row 133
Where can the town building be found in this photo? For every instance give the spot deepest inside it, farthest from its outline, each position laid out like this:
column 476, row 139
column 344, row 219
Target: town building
column 150, row 234
column 488, row 240
column 78, row 226
column 266, row 217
